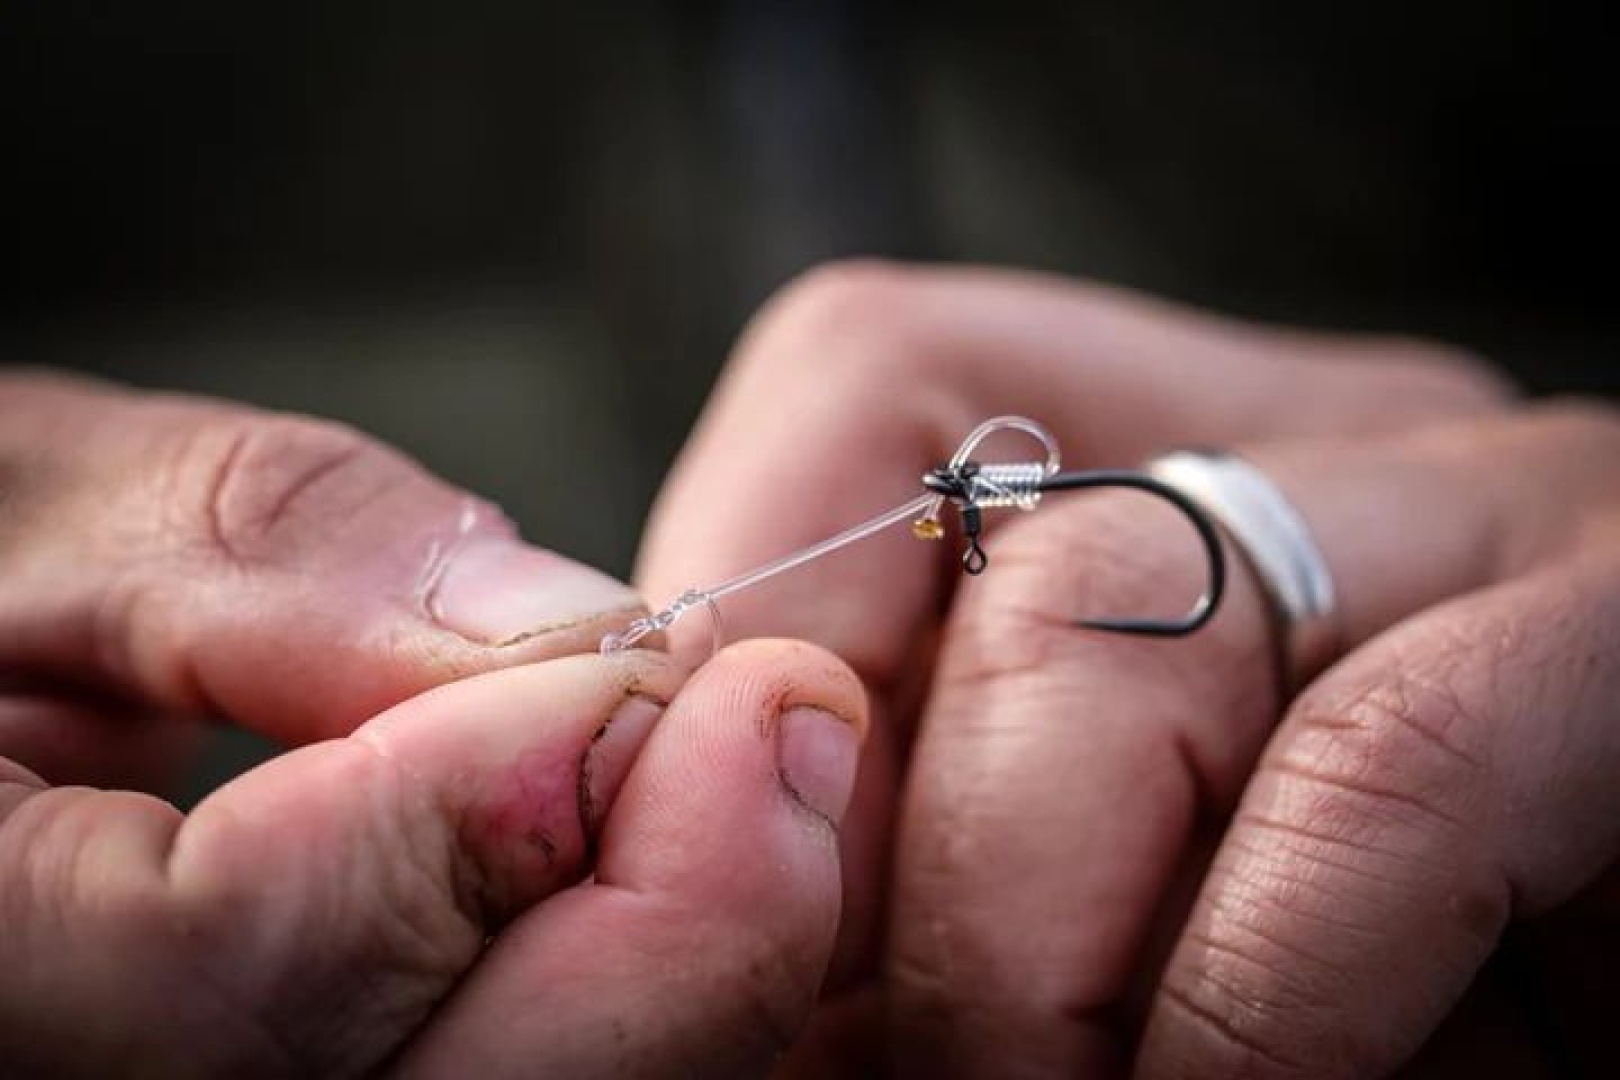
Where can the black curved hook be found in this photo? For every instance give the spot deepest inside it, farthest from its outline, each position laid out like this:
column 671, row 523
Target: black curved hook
column 1208, row 536
column 956, row 485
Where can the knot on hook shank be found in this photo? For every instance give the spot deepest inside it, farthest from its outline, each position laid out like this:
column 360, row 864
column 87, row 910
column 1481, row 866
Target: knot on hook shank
column 975, row 488
column 1015, row 486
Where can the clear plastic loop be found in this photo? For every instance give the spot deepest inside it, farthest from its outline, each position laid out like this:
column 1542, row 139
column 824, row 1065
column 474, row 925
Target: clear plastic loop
column 928, row 524
column 1054, row 457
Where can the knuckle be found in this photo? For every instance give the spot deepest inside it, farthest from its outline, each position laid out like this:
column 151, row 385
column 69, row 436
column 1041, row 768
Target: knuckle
column 270, row 486
column 1389, row 753
column 861, row 309
column 1587, row 429
column 130, row 929
column 1573, row 440
column 1382, row 787
column 844, row 293
column 1370, row 810
column 391, row 936
column 1445, row 379
column 1271, row 969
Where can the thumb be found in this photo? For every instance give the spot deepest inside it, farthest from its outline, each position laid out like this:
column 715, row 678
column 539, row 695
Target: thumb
column 700, row 944
column 288, row 572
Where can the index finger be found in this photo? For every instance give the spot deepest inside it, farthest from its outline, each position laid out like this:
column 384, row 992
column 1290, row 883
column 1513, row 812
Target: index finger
column 860, row 376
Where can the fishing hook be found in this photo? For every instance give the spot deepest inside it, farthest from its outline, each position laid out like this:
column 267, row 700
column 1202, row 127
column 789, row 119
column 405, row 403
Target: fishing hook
column 972, row 488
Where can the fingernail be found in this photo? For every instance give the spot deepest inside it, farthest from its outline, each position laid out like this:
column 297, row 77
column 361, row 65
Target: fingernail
column 498, row 591
column 817, row 754
column 612, row 753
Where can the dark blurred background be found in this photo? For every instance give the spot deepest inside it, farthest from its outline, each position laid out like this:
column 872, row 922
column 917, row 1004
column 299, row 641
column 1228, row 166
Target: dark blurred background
column 516, row 238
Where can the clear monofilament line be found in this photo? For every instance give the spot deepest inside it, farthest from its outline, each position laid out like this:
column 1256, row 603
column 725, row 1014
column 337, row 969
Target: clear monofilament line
column 904, row 512
column 691, row 598
column 1014, row 485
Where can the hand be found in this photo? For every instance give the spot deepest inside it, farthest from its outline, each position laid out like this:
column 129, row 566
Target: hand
column 579, row 866
column 1049, row 906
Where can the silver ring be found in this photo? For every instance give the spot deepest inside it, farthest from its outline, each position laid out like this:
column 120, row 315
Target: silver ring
column 1276, row 542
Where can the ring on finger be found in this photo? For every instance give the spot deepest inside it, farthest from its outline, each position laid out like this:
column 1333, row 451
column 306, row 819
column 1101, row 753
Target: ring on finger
column 1275, row 541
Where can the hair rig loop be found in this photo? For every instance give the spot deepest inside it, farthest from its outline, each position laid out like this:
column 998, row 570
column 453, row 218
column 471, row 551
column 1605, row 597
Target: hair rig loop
column 973, row 487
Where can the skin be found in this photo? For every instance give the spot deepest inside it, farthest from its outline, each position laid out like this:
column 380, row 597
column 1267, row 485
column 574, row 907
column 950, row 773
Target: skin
column 495, row 851
column 489, row 852
column 1071, row 854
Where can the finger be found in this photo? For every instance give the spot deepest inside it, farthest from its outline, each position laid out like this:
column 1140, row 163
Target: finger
column 287, row 572
column 698, row 948
column 887, row 368
column 1456, row 774
column 309, row 915
column 1082, row 766
column 1056, row 779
